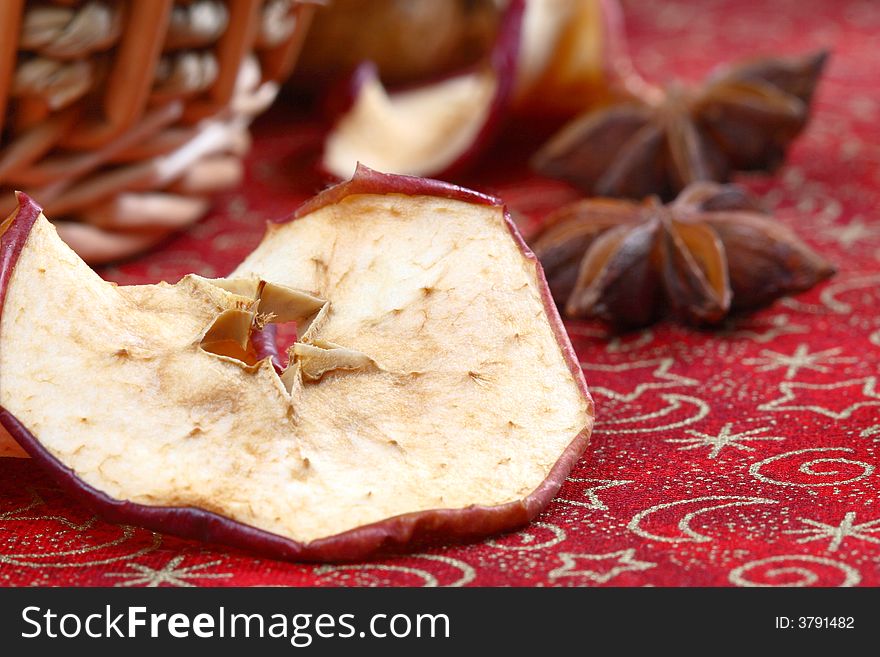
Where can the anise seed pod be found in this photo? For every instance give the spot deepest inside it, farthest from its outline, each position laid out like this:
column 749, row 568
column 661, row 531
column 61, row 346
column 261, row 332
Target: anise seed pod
column 712, row 251
column 741, row 119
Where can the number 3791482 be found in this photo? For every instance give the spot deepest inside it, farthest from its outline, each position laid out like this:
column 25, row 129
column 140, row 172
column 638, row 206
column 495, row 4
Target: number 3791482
column 815, row 622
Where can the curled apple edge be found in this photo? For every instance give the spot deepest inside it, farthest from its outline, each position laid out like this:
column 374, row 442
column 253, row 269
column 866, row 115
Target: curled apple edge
column 386, row 536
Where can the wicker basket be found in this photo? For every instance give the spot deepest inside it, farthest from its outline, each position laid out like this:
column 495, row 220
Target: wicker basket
column 122, row 117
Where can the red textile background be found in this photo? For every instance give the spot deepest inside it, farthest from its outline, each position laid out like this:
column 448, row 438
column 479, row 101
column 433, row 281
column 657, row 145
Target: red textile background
column 745, row 456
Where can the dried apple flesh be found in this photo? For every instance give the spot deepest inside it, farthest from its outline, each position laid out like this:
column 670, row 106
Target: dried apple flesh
column 418, row 132
column 444, row 379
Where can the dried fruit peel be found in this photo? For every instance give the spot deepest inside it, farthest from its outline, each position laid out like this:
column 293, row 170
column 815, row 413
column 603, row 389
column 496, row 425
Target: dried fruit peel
column 572, row 57
column 432, row 129
column 419, row 132
column 455, row 411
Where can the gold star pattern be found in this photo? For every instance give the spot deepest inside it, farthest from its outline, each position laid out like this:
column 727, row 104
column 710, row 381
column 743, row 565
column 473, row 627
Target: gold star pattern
column 800, row 359
column 761, row 330
column 790, row 392
column 622, row 561
column 722, row 439
column 852, row 233
column 661, row 367
column 829, row 295
column 847, row 528
column 593, row 502
column 34, row 502
column 38, row 501
column 170, row 574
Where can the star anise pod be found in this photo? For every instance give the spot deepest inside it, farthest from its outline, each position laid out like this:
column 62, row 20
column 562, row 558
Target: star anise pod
column 741, row 119
column 710, row 252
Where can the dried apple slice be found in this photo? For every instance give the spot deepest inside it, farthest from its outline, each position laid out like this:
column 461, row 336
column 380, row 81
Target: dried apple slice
column 429, row 130
column 432, row 393
column 550, row 58
column 573, row 56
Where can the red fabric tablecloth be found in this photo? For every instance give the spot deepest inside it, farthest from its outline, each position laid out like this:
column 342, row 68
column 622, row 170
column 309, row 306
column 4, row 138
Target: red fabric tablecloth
column 746, row 456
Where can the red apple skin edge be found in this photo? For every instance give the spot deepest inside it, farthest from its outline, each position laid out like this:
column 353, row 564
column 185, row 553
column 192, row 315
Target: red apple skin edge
column 388, row 536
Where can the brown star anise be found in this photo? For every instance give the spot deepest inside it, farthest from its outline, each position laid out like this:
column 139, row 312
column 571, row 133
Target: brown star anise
column 710, row 252
column 740, row 119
